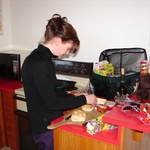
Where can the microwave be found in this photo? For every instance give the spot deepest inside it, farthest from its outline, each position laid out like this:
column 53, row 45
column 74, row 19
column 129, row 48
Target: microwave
column 11, row 63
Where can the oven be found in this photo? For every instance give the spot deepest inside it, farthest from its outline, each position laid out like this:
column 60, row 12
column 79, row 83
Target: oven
column 71, row 76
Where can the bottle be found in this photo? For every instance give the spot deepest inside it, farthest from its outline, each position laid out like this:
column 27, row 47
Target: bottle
column 122, row 90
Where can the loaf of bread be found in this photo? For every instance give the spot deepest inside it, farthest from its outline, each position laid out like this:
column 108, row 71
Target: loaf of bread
column 78, row 116
column 87, row 107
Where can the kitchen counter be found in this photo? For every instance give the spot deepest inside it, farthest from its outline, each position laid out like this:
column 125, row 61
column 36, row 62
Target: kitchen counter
column 114, row 137
column 8, row 120
column 4, row 81
column 110, row 139
column 9, row 85
column 121, row 119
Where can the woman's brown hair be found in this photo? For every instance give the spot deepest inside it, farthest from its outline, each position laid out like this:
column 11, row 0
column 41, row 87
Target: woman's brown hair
column 59, row 27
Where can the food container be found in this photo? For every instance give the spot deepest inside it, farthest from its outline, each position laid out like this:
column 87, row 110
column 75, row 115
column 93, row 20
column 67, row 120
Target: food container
column 101, row 108
column 101, row 101
column 96, row 125
column 144, row 67
column 107, row 71
column 110, row 103
column 93, row 127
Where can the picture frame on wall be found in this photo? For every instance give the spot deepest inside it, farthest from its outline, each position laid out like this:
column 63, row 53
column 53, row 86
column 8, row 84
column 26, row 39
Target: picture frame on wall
column 1, row 18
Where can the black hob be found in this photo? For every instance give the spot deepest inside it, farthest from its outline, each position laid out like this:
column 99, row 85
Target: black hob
column 66, row 85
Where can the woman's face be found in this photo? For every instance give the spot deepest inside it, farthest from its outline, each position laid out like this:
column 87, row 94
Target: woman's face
column 64, row 48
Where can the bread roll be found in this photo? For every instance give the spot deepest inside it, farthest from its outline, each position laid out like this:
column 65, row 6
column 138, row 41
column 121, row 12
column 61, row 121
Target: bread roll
column 87, row 107
column 78, row 116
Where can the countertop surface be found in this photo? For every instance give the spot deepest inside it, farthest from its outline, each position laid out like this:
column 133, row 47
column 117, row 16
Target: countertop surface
column 117, row 117
column 9, row 85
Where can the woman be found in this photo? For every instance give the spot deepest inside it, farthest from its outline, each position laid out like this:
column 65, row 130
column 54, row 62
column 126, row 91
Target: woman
column 45, row 103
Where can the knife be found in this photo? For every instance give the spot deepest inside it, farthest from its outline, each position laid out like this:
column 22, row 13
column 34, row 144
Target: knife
column 67, row 118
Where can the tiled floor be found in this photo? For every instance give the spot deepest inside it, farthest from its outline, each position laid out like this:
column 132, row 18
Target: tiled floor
column 6, row 148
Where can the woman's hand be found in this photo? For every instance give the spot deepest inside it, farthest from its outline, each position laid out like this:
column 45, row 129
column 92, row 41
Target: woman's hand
column 91, row 99
column 83, row 93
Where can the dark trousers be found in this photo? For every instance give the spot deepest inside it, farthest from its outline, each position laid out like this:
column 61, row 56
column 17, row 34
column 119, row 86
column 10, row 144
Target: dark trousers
column 44, row 141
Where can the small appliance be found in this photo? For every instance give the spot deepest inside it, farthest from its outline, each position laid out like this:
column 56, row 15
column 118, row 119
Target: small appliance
column 11, row 62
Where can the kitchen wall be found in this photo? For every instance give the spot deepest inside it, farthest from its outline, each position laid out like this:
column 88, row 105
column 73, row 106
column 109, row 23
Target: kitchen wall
column 101, row 24
column 6, row 38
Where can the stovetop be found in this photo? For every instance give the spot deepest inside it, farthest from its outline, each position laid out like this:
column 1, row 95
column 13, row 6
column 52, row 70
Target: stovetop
column 71, row 75
column 66, row 85
column 73, row 68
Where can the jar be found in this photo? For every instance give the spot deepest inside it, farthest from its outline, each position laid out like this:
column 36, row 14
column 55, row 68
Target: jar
column 149, row 68
column 144, row 67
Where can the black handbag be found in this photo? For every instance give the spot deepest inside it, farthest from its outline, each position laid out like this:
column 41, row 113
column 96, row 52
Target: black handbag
column 128, row 58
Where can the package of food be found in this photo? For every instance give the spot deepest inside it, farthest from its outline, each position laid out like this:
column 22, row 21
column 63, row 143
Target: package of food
column 93, row 127
column 102, row 64
column 96, row 125
column 105, row 125
column 101, row 101
column 107, row 71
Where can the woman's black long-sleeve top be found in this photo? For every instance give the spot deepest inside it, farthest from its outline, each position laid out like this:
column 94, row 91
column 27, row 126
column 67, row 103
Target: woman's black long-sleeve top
column 45, row 102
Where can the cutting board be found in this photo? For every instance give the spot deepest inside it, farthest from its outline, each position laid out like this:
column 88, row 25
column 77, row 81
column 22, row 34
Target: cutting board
column 67, row 119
